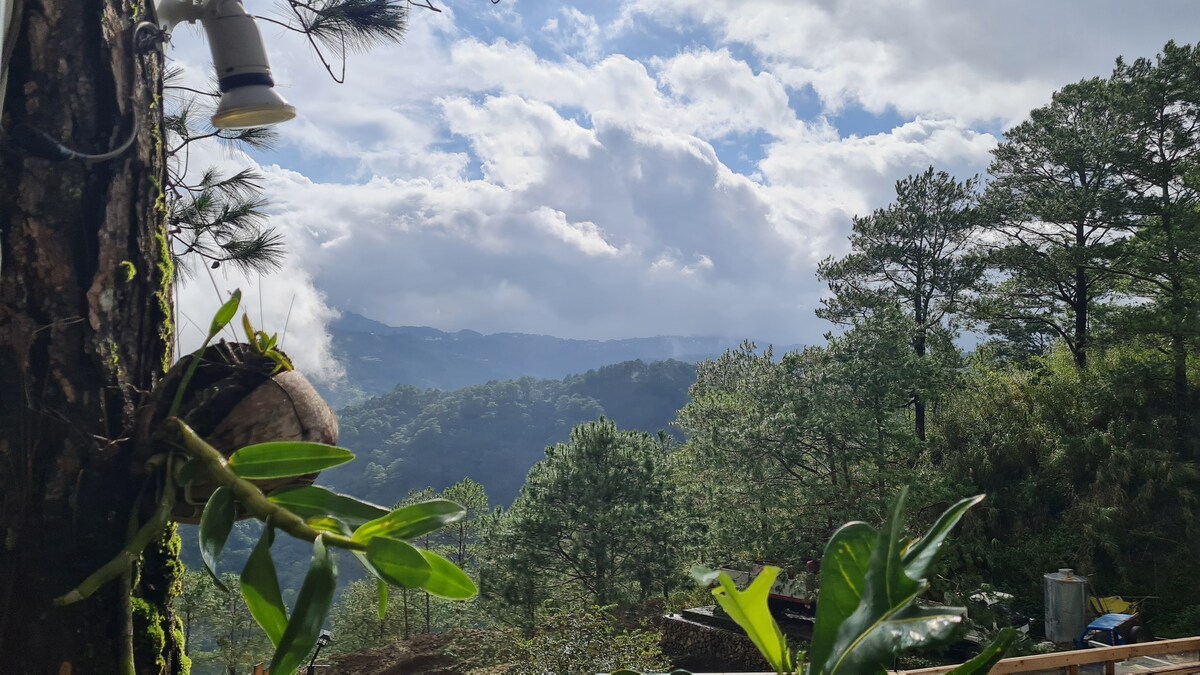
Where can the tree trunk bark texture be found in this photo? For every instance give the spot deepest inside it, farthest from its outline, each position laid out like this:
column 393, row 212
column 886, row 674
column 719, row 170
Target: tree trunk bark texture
column 84, row 334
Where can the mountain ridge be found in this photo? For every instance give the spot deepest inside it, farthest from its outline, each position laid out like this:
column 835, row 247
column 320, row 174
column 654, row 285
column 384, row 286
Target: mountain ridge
column 378, row 357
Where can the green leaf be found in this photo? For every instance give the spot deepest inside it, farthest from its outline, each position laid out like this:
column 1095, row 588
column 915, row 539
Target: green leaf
column 248, row 328
column 312, row 608
column 398, row 562
column 311, row 501
column 886, row 620
column 909, row 627
column 285, row 459
column 411, row 521
column 921, row 555
column 225, row 314
column 446, row 580
column 843, row 581
column 983, row 662
column 215, row 524
column 749, row 610
column 381, row 590
column 329, row 524
column 260, row 588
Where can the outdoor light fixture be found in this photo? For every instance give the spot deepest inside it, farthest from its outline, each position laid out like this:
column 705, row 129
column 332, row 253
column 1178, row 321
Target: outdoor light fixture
column 325, row 639
column 248, row 97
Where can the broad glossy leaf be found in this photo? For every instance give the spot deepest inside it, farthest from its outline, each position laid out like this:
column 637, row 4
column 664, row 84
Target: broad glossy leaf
column 285, row 459
column 260, row 588
column 749, row 610
column 311, row 501
column 983, row 662
column 225, row 314
column 887, row 590
column 908, row 628
column 381, row 592
column 398, row 562
column 887, row 621
column 412, row 521
column 843, row 581
column 215, row 524
column 920, row 556
column 310, row 612
column 446, row 580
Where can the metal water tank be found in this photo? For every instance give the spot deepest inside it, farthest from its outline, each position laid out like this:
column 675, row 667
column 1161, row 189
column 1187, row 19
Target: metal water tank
column 1066, row 605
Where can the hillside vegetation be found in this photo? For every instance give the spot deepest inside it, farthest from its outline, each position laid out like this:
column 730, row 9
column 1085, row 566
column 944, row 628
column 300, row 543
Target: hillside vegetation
column 1078, row 261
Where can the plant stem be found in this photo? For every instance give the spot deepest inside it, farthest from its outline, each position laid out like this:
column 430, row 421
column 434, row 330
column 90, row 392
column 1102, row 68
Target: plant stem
column 248, row 494
column 132, row 550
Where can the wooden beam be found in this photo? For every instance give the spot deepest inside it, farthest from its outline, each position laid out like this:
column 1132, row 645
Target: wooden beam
column 1080, row 657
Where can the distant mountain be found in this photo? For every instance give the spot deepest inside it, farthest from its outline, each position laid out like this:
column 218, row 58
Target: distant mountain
column 412, row 438
column 377, row 357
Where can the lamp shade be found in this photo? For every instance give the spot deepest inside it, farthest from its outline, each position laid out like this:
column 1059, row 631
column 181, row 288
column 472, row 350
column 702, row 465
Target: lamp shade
column 251, row 106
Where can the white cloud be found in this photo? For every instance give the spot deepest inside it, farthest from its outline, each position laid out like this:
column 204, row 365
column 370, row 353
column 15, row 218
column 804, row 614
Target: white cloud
column 972, row 61
column 575, row 33
column 469, row 179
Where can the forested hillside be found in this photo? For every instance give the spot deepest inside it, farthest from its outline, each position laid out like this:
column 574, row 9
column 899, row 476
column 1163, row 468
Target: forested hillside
column 411, row 438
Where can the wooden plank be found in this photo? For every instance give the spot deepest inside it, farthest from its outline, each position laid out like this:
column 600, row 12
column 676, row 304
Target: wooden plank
column 1060, row 660
column 1193, row 667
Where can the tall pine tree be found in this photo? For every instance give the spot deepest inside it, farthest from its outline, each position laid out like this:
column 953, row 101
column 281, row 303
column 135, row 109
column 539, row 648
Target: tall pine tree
column 913, row 254
column 1054, row 206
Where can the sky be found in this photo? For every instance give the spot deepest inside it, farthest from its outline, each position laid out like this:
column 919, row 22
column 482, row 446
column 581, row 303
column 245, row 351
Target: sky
column 626, row 168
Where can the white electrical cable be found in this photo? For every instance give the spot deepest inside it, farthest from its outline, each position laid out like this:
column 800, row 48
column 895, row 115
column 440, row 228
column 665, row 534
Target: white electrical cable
column 6, row 14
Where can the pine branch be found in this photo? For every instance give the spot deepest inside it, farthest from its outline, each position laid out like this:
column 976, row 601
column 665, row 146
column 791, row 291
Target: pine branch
column 358, row 24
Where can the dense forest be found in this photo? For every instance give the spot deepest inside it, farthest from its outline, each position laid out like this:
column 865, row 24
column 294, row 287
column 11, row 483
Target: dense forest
column 413, row 438
column 1076, row 264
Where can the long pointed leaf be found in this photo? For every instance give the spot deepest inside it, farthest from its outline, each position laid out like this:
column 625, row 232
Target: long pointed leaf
column 843, row 583
column 749, row 610
column 225, row 314
column 285, row 459
column 398, row 562
column 887, row 591
column 381, row 591
column 446, row 580
column 312, row 608
column 983, row 662
column 921, row 555
column 412, row 521
column 311, row 501
column 215, row 524
column 260, row 588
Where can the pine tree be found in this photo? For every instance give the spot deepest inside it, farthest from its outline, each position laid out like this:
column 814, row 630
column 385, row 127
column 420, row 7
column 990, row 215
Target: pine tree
column 1160, row 262
column 913, row 254
column 1055, row 205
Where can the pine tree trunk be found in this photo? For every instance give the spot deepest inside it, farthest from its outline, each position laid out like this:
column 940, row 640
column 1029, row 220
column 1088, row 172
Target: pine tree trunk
column 84, row 333
column 1082, row 302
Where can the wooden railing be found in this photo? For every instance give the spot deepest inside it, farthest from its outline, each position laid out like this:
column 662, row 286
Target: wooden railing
column 1185, row 650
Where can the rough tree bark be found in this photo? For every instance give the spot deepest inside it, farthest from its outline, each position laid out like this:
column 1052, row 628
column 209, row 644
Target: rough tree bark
column 84, row 334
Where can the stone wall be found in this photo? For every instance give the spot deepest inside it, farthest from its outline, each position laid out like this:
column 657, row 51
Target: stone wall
column 702, row 648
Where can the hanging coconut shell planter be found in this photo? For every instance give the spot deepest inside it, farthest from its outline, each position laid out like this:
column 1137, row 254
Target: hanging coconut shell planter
column 238, row 396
